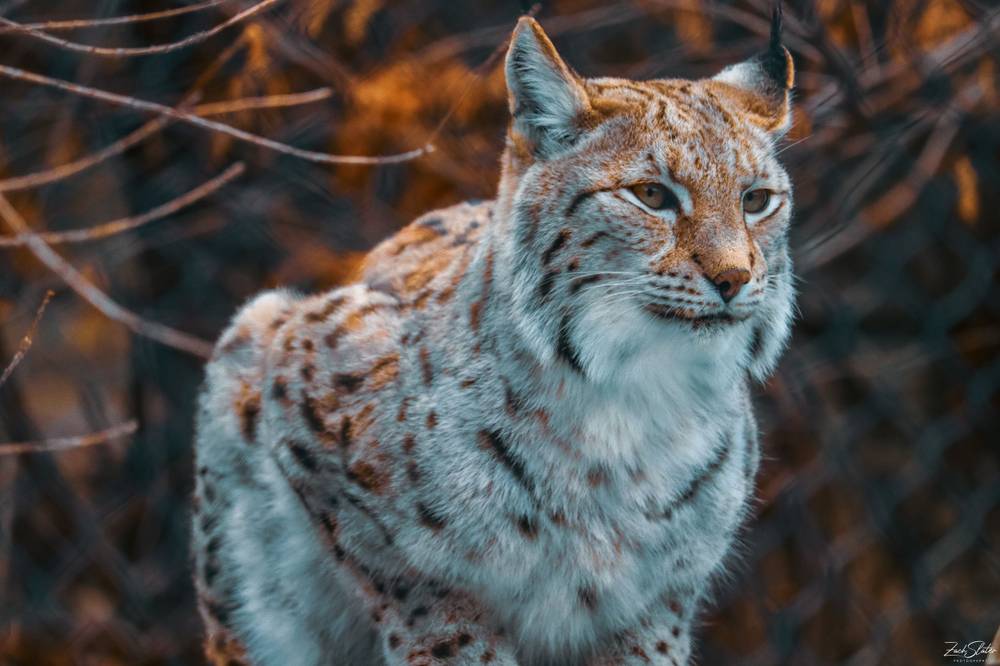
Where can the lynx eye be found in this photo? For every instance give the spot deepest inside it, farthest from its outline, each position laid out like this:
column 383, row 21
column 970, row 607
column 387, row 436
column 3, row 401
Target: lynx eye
column 655, row 196
column 755, row 201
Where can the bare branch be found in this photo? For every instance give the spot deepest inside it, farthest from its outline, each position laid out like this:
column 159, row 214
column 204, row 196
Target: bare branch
column 193, row 119
column 215, row 108
column 78, row 283
column 64, row 443
column 267, row 102
column 76, row 166
column 124, row 224
column 131, row 51
column 60, row 172
column 28, row 338
column 74, row 24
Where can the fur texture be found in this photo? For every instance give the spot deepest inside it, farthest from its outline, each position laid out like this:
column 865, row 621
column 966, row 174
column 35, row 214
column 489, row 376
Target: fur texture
column 525, row 435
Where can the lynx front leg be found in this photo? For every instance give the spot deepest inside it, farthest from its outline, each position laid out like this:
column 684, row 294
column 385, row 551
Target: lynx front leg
column 431, row 626
column 662, row 638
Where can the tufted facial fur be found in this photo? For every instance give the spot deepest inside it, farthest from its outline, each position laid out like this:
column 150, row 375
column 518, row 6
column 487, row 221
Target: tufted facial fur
column 525, row 435
column 576, row 150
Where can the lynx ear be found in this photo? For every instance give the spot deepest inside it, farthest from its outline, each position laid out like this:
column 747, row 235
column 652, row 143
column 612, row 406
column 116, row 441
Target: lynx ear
column 761, row 86
column 546, row 98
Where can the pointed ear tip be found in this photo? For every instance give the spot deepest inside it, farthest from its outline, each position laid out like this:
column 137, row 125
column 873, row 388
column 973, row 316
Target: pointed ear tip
column 527, row 25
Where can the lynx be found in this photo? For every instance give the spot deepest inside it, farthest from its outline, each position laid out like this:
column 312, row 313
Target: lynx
column 525, row 434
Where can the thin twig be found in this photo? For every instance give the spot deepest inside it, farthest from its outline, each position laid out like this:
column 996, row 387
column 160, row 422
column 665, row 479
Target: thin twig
column 62, row 171
column 266, row 102
column 64, row 443
column 193, row 119
column 128, row 223
column 73, row 24
column 27, row 340
column 130, row 51
column 78, row 283
column 40, row 178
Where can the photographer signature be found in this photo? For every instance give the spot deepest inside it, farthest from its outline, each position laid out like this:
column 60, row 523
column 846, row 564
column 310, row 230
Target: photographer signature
column 970, row 650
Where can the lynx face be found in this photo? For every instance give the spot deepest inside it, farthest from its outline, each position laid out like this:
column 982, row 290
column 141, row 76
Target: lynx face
column 648, row 208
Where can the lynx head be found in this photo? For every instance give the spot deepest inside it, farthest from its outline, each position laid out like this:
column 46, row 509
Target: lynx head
column 644, row 211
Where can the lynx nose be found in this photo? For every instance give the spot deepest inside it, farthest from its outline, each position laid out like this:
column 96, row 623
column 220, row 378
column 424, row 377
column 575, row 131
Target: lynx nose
column 730, row 282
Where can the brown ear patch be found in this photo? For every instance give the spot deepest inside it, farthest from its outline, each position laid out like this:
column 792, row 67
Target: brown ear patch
column 759, row 88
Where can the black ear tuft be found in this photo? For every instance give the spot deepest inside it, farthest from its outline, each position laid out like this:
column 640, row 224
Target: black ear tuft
column 776, row 26
column 776, row 61
column 764, row 82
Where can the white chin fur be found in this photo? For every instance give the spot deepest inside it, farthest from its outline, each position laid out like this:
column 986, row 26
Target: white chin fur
column 620, row 344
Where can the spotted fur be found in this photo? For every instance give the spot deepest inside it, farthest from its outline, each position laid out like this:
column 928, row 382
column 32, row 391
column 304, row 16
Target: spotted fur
column 525, row 435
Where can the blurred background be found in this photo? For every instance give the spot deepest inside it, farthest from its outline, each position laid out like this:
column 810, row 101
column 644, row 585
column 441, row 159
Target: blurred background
column 877, row 534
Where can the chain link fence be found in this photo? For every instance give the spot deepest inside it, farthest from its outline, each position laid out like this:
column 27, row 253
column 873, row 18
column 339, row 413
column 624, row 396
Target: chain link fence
column 876, row 538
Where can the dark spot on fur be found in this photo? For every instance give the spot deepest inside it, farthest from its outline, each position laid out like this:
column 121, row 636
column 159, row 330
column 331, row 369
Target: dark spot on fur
column 546, row 284
column 416, row 614
column 725, row 448
column 426, row 369
column 401, row 591
column 662, row 647
column 579, row 283
column 596, row 477
column 757, row 342
column 577, row 200
column 365, row 475
column 210, row 571
column 432, row 419
column 528, row 527
column 329, row 522
column 588, row 597
column 280, row 390
column 219, row 611
column 347, row 382
column 435, row 224
column 248, row 421
column 311, row 416
column 564, row 347
column 332, row 339
column 464, row 639
column 303, row 455
column 639, row 652
column 512, row 401
column 345, row 431
column 475, row 311
column 491, row 440
column 428, row 518
column 556, row 245
column 594, row 238
column 393, row 641
column 443, row 649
